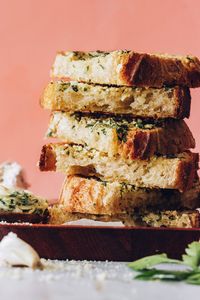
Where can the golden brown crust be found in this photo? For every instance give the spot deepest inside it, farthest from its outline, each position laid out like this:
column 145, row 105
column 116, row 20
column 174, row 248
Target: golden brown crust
column 163, row 141
column 196, row 223
column 131, row 68
column 140, row 144
column 47, row 160
column 183, row 99
column 187, row 170
column 152, row 70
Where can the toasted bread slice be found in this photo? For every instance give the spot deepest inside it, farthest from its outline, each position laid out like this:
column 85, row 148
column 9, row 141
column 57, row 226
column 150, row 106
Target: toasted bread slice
column 176, row 172
column 167, row 102
column 130, row 138
column 94, row 196
column 128, row 68
column 17, row 205
column 146, row 218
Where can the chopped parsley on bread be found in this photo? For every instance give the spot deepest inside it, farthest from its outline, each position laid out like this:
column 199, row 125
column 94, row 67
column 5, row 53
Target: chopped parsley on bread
column 127, row 68
column 129, row 137
column 18, row 205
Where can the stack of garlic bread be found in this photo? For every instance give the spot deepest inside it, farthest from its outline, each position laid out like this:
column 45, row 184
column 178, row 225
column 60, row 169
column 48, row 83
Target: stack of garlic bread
column 123, row 143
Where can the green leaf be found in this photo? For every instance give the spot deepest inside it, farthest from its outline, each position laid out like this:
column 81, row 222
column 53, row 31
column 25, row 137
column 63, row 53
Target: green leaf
column 150, row 261
column 194, row 278
column 191, row 259
column 192, row 256
column 163, row 275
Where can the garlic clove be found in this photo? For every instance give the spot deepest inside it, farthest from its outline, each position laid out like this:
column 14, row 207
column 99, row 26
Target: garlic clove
column 15, row 252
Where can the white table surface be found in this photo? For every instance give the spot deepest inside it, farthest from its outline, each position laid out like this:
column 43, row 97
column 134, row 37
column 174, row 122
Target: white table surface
column 86, row 280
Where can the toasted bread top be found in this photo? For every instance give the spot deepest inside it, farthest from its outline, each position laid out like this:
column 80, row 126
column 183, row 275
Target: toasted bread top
column 129, row 137
column 128, row 68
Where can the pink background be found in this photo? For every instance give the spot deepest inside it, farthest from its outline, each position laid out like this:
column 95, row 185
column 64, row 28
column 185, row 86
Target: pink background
column 33, row 30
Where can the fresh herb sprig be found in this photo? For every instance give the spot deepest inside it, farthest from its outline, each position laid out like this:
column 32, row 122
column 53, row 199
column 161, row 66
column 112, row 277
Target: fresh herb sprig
column 146, row 267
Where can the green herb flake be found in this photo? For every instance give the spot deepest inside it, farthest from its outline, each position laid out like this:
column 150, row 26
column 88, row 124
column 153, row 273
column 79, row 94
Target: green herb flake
column 50, row 133
column 77, row 116
column 63, row 86
column 121, row 124
column 139, row 123
column 67, row 151
column 89, row 125
column 104, row 183
column 103, row 130
column 122, row 132
column 74, row 88
column 190, row 58
column 192, row 256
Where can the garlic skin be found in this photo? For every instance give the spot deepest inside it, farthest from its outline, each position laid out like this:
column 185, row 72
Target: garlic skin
column 15, row 252
column 12, row 175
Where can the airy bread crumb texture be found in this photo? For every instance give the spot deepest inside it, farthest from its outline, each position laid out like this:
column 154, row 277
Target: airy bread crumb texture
column 167, row 102
column 175, row 172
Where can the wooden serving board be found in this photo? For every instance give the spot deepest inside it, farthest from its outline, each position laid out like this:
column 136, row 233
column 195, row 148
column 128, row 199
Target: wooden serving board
column 102, row 243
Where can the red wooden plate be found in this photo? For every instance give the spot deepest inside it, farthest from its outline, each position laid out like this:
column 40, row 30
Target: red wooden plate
column 102, row 243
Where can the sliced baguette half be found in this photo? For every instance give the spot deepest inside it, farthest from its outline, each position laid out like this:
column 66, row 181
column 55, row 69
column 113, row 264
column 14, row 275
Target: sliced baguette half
column 128, row 68
column 177, row 172
column 167, row 102
column 94, row 196
column 130, row 138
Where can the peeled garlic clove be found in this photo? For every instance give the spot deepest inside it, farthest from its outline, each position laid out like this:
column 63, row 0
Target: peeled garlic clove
column 16, row 252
